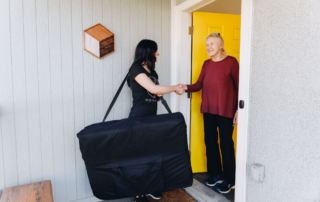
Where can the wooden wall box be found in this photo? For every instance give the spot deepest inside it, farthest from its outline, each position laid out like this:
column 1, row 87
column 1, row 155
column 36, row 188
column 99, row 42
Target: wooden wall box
column 98, row 40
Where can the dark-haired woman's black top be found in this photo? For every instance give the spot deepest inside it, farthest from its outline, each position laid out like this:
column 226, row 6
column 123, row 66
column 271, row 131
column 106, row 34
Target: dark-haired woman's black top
column 144, row 103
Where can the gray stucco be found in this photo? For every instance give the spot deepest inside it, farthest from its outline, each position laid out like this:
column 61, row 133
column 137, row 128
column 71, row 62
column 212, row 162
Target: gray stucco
column 284, row 113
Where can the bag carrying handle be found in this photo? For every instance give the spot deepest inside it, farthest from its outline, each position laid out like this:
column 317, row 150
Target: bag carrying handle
column 163, row 101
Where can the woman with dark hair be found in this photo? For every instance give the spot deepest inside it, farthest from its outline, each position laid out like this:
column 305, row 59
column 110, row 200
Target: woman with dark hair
column 143, row 81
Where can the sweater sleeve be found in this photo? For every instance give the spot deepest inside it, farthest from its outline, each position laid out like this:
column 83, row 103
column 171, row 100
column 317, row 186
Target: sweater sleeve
column 235, row 78
column 198, row 85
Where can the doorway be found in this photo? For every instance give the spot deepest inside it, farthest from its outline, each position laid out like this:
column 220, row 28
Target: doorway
column 205, row 23
column 181, row 73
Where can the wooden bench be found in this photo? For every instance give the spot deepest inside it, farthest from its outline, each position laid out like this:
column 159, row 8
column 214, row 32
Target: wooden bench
column 35, row 192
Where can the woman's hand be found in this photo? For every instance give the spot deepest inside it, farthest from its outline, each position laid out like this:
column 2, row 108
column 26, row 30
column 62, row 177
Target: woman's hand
column 143, row 80
column 180, row 89
column 235, row 118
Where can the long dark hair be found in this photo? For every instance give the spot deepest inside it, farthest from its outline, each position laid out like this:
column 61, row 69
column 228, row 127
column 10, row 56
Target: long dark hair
column 145, row 53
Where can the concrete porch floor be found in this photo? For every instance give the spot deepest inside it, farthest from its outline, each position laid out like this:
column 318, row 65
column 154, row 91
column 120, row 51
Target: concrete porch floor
column 179, row 195
column 202, row 193
column 198, row 192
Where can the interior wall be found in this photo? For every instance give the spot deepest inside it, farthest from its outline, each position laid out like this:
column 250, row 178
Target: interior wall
column 50, row 88
column 179, row 1
column 223, row 6
column 283, row 152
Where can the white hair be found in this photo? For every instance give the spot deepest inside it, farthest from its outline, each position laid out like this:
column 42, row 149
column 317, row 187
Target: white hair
column 217, row 35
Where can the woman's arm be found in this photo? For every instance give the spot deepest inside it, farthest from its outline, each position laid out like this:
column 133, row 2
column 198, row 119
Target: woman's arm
column 143, row 80
column 235, row 74
column 198, row 85
column 235, row 78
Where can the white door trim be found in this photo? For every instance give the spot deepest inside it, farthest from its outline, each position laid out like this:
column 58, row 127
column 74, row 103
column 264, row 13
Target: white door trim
column 192, row 5
column 181, row 73
column 244, row 94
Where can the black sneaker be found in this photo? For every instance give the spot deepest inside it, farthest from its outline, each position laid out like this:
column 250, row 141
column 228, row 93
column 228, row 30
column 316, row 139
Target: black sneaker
column 140, row 198
column 224, row 187
column 213, row 181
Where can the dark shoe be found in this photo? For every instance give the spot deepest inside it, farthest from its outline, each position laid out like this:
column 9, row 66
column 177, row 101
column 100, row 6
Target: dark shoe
column 224, row 187
column 140, row 198
column 213, row 181
column 156, row 196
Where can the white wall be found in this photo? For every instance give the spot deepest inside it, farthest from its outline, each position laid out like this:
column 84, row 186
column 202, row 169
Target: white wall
column 223, row 6
column 284, row 129
column 181, row 59
column 50, row 88
column 179, row 1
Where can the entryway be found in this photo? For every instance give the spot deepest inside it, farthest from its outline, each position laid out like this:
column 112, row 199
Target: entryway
column 203, row 24
column 221, row 16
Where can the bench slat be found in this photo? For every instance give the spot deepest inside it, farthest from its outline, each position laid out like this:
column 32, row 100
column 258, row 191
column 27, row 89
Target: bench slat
column 35, row 192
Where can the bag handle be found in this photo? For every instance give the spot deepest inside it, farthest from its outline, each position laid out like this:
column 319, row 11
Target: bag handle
column 163, row 101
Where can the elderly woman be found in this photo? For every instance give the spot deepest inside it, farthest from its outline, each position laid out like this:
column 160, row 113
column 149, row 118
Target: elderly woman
column 218, row 80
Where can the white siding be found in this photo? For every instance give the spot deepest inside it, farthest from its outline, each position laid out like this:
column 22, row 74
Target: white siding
column 50, row 88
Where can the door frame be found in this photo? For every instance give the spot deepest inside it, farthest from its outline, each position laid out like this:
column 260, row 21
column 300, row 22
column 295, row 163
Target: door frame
column 181, row 41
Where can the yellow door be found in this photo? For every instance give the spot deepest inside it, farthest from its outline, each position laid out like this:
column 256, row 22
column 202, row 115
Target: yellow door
column 204, row 24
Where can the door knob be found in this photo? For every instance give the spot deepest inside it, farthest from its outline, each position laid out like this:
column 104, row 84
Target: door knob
column 241, row 104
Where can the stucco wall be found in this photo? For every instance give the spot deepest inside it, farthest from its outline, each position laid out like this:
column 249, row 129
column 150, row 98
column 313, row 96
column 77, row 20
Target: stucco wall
column 284, row 113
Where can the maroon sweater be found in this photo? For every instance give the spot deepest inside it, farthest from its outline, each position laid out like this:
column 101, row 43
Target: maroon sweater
column 219, row 82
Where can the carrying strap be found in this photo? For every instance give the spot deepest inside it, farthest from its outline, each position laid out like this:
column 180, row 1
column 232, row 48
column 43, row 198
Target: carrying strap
column 163, row 101
column 165, row 104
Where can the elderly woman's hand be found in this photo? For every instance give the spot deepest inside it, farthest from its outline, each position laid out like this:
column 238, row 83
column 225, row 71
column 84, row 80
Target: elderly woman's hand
column 235, row 118
column 179, row 89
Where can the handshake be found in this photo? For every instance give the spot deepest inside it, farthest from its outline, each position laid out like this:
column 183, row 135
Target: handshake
column 180, row 89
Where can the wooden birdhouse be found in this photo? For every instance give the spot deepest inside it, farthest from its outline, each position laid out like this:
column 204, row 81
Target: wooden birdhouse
column 98, row 40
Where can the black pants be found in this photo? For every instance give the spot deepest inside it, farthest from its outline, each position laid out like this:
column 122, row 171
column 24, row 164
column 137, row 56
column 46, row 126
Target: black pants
column 225, row 125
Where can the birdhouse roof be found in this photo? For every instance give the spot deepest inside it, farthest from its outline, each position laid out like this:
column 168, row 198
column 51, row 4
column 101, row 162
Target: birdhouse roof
column 99, row 32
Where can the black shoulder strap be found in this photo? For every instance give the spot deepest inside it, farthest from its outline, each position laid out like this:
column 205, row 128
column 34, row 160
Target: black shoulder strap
column 115, row 97
column 163, row 101
column 165, row 104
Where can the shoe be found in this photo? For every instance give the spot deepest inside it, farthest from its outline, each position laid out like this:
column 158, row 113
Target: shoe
column 213, row 181
column 224, row 187
column 140, row 198
column 155, row 196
